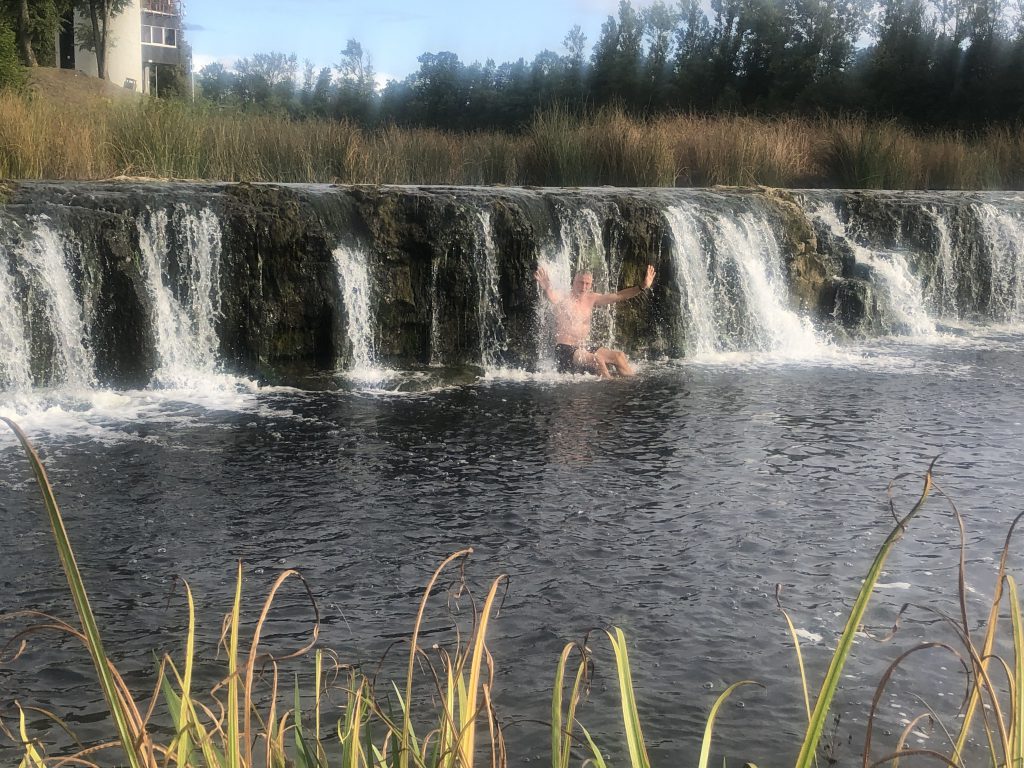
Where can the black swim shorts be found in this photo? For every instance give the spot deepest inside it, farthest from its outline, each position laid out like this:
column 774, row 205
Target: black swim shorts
column 565, row 355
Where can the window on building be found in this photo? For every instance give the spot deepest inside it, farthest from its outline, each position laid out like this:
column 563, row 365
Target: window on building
column 166, row 36
column 169, row 7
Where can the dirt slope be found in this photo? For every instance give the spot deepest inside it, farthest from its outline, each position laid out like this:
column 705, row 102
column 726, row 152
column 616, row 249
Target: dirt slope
column 73, row 88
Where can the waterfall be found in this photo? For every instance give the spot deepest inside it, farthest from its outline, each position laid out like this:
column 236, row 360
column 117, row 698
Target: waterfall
column 1003, row 236
column 903, row 301
column 435, row 315
column 354, row 280
column 185, row 292
column 45, row 256
column 15, row 365
column 747, row 250
column 732, row 285
column 490, row 316
column 690, row 258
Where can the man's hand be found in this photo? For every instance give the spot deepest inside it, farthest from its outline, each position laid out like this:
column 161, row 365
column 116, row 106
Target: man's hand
column 542, row 278
column 648, row 277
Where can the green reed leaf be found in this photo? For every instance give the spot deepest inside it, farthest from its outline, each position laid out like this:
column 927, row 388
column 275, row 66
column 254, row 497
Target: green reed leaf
column 705, row 746
column 830, row 685
column 127, row 720
column 630, row 716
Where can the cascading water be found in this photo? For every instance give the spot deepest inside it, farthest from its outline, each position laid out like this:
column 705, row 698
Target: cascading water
column 44, row 255
column 904, row 308
column 732, row 285
column 945, row 302
column 15, row 365
column 185, row 307
column 747, row 246
column 354, row 280
column 435, row 315
column 490, row 317
column 70, row 300
column 690, row 257
column 1003, row 235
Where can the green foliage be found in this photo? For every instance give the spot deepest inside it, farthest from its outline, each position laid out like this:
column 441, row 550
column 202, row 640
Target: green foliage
column 36, row 23
column 12, row 74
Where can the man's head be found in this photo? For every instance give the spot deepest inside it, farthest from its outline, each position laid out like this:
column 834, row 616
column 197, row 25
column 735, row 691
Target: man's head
column 582, row 283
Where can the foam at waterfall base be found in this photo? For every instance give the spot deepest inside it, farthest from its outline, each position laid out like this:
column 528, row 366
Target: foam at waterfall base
column 895, row 355
column 114, row 416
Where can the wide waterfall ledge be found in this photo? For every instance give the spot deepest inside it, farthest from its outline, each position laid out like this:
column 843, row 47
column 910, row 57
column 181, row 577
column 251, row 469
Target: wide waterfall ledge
column 176, row 285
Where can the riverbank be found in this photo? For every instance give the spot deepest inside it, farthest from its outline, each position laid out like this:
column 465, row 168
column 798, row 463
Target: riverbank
column 41, row 138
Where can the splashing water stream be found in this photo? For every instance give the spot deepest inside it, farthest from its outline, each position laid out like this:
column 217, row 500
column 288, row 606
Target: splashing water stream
column 354, row 280
column 897, row 286
column 185, row 308
column 45, row 255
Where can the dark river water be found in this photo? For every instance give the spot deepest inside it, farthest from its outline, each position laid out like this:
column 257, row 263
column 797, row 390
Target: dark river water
column 669, row 505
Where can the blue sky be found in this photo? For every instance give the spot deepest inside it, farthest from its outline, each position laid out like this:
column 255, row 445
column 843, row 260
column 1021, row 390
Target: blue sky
column 393, row 32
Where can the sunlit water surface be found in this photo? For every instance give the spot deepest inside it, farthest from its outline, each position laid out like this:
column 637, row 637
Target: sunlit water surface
column 670, row 505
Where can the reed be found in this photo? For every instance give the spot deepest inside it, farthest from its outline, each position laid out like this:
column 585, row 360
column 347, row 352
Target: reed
column 743, row 151
column 39, row 139
column 607, row 147
column 435, row 720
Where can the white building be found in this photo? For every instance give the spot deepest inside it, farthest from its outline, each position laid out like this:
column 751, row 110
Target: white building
column 145, row 35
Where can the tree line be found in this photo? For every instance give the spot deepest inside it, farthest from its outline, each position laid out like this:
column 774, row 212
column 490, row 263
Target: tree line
column 939, row 63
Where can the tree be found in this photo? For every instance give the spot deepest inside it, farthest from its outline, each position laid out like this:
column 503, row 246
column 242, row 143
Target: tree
column 899, row 77
column 617, row 57
column 575, row 44
column 439, row 97
column 11, row 73
column 35, row 23
column 93, row 34
column 266, row 79
column 694, row 84
column 24, row 36
column 356, row 66
column 659, row 22
column 216, row 83
column 357, row 86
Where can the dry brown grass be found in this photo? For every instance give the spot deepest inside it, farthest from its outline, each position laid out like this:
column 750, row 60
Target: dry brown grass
column 742, row 150
column 43, row 139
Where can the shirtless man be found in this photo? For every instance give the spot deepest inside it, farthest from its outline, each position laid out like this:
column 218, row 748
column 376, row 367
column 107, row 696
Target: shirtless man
column 572, row 324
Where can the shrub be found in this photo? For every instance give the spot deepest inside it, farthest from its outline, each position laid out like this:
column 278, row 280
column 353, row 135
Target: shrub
column 12, row 74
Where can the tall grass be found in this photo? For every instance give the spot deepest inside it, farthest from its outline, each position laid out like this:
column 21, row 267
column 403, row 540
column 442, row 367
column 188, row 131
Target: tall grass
column 244, row 721
column 42, row 140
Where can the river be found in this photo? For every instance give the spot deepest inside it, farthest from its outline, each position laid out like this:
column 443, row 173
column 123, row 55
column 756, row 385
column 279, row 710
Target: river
column 670, row 506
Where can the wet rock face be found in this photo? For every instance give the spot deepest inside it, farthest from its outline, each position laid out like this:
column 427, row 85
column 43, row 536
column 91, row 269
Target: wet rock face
column 121, row 306
column 419, row 248
column 638, row 236
column 278, row 282
column 812, row 274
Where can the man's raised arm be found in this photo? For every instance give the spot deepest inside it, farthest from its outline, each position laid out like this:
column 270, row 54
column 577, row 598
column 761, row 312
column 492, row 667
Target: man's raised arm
column 627, row 293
